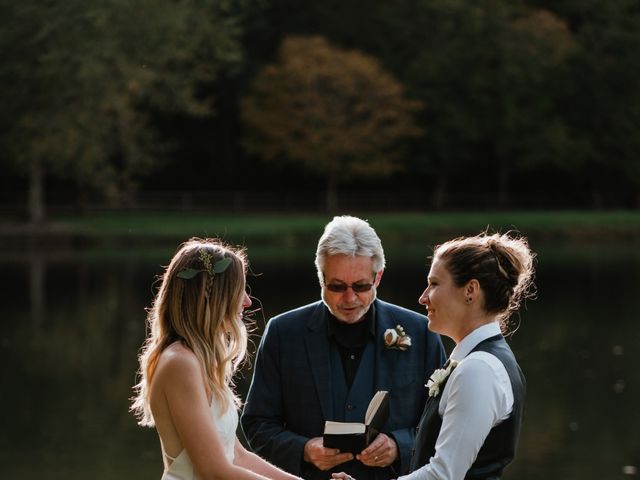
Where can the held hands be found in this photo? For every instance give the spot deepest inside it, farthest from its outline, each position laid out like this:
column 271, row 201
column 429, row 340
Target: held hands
column 382, row 452
column 324, row 458
column 342, row 476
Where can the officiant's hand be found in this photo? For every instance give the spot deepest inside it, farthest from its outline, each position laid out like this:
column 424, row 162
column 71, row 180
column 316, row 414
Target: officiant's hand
column 382, row 452
column 324, row 458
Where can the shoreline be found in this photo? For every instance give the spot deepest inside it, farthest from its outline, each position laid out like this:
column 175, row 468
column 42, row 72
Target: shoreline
column 127, row 230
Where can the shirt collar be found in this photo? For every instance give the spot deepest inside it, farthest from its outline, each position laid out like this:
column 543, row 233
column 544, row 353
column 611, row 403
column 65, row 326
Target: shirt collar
column 335, row 327
column 469, row 342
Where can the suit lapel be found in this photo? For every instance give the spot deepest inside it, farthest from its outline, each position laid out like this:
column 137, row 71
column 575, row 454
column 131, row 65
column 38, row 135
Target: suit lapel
column 384, row 370
column 318, row 349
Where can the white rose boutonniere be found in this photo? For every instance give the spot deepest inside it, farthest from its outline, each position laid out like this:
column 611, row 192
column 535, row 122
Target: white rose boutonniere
column 396, row 339
column 439, row 376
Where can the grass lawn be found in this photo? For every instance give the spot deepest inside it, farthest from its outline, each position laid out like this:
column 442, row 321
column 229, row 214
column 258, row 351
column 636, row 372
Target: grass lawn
column 569, row 225
column 565, row 235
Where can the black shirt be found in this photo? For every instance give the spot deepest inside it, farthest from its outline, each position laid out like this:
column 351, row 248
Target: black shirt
column 351, row 338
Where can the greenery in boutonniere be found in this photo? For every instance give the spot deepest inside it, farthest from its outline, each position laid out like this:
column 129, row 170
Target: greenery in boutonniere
column 396, row 339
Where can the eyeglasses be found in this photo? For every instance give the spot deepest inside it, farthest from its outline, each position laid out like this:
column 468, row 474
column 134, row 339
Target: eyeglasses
column 343, row 287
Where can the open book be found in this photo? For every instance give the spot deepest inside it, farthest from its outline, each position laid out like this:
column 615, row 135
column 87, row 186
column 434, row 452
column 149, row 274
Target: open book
column 355, row 437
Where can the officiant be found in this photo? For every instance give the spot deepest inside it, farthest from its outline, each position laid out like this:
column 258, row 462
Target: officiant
column 326, row 360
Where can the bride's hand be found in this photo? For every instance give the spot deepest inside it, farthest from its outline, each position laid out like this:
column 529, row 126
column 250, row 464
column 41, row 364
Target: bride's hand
column 342, row 476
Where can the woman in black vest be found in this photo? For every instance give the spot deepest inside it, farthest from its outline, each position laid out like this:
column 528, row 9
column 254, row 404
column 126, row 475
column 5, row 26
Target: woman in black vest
column 471, row 422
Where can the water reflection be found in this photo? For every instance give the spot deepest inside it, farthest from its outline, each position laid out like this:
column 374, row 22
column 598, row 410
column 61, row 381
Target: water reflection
column 72, row 325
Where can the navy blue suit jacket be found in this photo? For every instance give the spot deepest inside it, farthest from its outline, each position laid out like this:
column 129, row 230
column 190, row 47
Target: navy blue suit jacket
column 291, row 392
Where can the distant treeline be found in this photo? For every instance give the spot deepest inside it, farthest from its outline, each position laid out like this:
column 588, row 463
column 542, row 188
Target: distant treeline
column 452, row 103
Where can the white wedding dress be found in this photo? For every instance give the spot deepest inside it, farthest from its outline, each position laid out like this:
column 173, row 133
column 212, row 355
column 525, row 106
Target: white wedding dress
column 226, row 424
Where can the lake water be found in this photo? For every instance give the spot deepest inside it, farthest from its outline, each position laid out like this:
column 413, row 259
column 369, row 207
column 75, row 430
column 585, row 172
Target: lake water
column 72, row 323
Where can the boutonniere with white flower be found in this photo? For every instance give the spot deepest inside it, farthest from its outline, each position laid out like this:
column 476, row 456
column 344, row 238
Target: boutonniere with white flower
column 439, row 376
column 396, row 339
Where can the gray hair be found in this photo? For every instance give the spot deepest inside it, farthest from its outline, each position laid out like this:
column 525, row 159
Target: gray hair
column 346, row 235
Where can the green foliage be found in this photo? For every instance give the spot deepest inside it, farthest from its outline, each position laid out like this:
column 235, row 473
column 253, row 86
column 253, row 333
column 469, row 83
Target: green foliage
column 604, row 109
column 84, row 80
column 336, row 112
column 218, row 267
column 507, row 89
column 484, row 73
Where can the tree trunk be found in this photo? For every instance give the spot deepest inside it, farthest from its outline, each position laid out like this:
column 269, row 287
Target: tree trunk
column 37, row 269
column 332, row 194
column 36, row 195
column 440, row 192
column 503, row 183
column 597, row 202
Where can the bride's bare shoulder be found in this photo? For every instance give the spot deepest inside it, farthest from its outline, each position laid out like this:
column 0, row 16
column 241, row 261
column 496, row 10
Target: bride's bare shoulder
column 177, row 359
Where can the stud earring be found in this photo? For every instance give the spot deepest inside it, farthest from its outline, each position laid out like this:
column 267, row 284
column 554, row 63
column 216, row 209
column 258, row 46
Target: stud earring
column 468, row 300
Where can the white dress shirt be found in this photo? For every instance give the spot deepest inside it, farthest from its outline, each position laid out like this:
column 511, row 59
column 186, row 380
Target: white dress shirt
column 477, row 397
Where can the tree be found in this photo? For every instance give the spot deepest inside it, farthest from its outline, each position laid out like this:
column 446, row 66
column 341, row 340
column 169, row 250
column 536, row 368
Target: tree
column 603, row 101
column 83, row 82
column 332, row 111
column 484, row 73
column 535, row 51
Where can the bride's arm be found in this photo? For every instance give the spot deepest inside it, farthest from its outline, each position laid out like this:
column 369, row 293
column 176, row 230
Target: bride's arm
column 253, row 462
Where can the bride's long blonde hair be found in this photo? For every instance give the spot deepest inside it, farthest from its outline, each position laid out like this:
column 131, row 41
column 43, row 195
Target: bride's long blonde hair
column 204, row 314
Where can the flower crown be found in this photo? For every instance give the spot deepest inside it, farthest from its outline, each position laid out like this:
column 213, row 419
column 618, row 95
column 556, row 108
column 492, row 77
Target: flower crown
column 217, row 267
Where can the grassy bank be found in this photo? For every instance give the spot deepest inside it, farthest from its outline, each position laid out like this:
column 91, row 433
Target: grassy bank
column 294, row 229
column 568, row 225
column 156, row 235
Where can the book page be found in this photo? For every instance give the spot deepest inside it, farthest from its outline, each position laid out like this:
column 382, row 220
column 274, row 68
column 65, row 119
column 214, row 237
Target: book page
column 373, row 405
column 341, row 428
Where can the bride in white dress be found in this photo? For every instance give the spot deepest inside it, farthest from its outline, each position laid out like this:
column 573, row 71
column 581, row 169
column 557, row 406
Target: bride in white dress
column 196, row 341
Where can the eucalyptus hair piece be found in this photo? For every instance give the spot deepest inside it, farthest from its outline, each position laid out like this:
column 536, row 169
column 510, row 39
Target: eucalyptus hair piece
column 217, row 267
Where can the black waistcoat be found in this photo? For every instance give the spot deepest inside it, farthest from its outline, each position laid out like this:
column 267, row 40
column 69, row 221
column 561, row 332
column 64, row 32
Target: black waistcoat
column 499, row 447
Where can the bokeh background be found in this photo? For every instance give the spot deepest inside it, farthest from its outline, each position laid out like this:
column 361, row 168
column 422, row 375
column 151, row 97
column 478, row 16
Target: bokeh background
column 245, row 104
column 128, row 126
